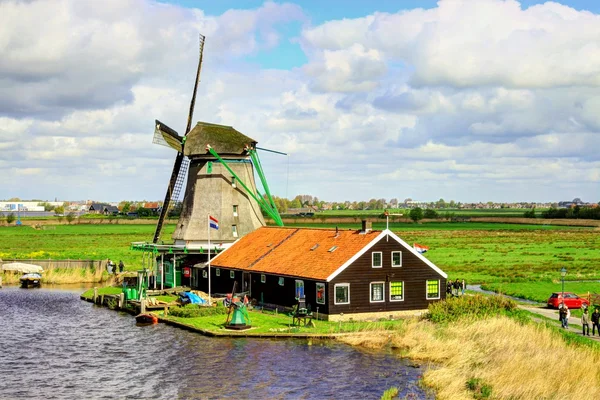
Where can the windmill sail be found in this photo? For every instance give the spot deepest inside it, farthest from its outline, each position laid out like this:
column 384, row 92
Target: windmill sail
column 172, row 139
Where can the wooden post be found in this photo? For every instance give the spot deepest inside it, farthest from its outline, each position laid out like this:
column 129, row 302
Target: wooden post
column 95, row 294
column 162, row 271
column 142, row 306
column 101, row 299
column 166, row 312
column 122, row 300
column 0, row 281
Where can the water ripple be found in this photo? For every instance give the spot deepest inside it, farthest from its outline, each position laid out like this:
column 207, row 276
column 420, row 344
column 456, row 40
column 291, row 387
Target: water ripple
column 55, row 346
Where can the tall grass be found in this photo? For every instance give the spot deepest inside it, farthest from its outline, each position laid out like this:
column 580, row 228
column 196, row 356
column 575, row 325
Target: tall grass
column 496, row 357
column 62, row 276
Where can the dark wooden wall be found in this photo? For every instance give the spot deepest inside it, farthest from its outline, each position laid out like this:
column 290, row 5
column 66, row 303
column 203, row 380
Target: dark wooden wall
column 360, row 274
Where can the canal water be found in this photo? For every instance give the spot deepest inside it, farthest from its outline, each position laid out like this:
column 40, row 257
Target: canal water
column 55, row 346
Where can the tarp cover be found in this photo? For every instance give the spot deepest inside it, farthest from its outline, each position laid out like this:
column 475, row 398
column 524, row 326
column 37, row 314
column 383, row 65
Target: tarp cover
column 21, row 267
column 194, row 298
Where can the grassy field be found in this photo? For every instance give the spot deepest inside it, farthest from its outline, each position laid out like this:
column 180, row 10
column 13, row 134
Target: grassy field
column 85, row 242
column 493, row 254
column 501, row 212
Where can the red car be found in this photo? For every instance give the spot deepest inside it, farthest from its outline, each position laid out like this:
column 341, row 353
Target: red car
column 571, row 300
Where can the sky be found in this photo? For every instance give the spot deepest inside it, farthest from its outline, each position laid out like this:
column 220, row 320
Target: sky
column 488, row 100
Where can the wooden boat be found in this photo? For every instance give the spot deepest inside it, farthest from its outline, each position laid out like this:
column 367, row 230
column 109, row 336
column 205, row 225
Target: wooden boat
column 146, row 319
column 31, row 280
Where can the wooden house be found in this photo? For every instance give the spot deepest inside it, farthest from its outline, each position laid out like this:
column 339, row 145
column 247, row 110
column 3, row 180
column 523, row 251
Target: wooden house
column 341, row 273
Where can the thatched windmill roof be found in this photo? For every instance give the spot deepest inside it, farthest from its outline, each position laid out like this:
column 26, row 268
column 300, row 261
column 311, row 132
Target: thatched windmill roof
column 223, row 139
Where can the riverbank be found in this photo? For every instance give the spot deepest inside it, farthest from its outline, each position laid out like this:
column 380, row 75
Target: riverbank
column 61, row 276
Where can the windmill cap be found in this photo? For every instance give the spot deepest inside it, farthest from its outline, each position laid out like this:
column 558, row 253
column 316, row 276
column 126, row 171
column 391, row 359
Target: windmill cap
column 223, row 139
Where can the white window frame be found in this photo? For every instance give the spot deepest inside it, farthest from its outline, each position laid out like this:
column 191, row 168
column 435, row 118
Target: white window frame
column 232, row 274
column 427, row 293
column 382, row 283
column 317, row 286
column 392, row 259
column 204, row 273
column 281, row 281
column 403, row 291
column 234, row 231
column 335, row 290
column 218, row 272
column 263, row 278
column 235, row 210
column 373, row 259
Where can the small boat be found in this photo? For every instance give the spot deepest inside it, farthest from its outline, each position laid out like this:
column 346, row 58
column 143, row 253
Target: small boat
column 31, row 280
column 146, row 319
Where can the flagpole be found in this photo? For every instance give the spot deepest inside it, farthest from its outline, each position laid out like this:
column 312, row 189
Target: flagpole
column 208, row 227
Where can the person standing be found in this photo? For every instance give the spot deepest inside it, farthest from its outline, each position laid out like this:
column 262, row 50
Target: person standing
column 567, row 317
column 562, row 314
column 121, row 266
column 595, row 321
column 109, row 265
column 463, row 286
column 585, row 322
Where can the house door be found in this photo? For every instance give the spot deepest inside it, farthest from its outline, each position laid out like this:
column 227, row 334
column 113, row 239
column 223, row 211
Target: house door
column 246, row 283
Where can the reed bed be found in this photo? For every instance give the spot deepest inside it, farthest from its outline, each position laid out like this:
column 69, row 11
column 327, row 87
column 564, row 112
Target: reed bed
column 494, row 358
column 62, row 276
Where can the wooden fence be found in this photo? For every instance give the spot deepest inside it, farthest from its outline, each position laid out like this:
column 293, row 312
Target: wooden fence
column 47, row 264
column 593, row 298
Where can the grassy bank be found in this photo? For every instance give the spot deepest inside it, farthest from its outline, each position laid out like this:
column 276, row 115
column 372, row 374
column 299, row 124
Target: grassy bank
column 61, row 276
column 496, row 356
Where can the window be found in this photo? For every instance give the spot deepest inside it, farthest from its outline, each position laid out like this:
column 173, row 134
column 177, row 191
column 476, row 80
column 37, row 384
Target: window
column 320, row 293
column 235, row 210
column 218, row 272
column 342, row 293
column 204, row 273
column 376, row 259
column 234, row 230
column 377, row 292
column 433, row 289
column 281, row 281
column 233, row 181
column 263, row 278
column 232, row 274
column 331, row 250
column 209, row 167
column 396, row 291
column 396, row 259
column 299, row 289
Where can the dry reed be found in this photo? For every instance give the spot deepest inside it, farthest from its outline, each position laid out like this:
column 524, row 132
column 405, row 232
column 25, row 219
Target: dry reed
column 60, row 276
column 516, row 361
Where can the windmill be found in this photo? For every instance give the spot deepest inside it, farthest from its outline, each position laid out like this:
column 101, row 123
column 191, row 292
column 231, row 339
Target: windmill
column 221, row 162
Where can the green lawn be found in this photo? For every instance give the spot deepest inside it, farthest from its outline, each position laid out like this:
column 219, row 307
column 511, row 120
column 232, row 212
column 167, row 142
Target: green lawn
column 268, row 322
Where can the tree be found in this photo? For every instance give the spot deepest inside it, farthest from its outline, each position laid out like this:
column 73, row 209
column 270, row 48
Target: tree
column 60, row 210
column 10, row 218
column 125, row 206
column 430, row 214
column 2, row 217
column 144, row 212
column 416, row 214
column 529, row 214
column 296, row 203
column 70, row 217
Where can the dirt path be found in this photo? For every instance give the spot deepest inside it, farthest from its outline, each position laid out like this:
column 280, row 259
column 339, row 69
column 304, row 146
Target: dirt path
column 574, row 322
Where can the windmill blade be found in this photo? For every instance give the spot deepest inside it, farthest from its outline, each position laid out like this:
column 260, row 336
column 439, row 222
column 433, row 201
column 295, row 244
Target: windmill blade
column 178, row 174
column 166, row 136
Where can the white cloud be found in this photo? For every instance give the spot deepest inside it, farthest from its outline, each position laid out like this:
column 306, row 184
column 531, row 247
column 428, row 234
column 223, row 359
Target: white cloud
column 471, row 100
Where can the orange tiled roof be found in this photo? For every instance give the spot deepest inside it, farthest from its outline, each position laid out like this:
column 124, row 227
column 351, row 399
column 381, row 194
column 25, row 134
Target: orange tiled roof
column 287, row 251
column 151, row 205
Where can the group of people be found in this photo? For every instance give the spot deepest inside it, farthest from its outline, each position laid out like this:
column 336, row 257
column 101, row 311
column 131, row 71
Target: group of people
column 456, row 288
column 111, row 267
column 564, row 314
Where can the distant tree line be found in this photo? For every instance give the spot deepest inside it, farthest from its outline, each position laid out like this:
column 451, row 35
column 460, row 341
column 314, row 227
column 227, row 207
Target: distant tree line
column 576, row 212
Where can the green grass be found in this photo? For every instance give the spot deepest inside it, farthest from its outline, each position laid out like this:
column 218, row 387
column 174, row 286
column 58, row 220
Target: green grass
column 85, row 242
column 88, row 294
column 541, row 290
column 271, row 323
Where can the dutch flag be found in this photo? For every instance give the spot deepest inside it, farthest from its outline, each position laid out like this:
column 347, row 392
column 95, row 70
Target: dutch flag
column 420, row 248
column 212, row 221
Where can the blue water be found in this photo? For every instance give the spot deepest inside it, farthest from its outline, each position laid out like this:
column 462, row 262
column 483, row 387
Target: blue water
column 55, row 346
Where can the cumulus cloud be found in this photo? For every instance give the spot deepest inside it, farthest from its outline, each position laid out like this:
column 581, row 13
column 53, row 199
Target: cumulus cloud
column 470, row 100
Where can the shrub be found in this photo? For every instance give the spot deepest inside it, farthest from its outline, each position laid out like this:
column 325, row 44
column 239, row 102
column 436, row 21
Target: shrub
column 195, row 310
column 10, row 218
column 474, row 307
